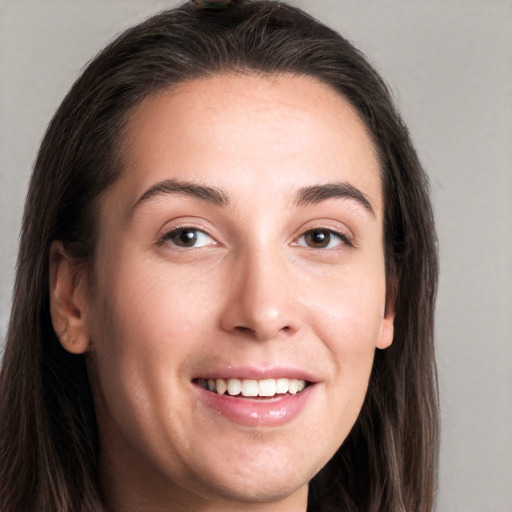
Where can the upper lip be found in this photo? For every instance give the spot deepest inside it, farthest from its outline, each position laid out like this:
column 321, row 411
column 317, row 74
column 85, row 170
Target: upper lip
column 257, row 373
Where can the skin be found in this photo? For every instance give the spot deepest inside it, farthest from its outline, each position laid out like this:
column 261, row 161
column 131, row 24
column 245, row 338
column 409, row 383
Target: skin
column 253, row 291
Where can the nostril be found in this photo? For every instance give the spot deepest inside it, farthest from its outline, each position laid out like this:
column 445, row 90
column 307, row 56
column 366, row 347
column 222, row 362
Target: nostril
column 262, row 333
column 244, row 329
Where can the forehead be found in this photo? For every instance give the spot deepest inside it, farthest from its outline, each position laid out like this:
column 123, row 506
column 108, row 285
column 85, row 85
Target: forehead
column 285, row 130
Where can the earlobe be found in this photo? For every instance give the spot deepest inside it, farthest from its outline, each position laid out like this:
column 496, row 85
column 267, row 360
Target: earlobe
column 387, row 327
column 68, row 300
column 386, row 331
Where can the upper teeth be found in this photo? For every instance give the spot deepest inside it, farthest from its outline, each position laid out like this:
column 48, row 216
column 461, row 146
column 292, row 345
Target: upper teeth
column 250, row 387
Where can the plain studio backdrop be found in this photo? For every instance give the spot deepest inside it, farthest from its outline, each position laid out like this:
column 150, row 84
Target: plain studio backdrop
column 449, row 64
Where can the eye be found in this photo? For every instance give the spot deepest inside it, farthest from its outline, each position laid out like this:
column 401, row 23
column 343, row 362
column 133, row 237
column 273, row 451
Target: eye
column 323, row 239
column 188, row 237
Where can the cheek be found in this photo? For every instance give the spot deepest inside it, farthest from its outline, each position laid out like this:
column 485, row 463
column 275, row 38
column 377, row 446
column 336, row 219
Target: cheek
column 149, row 298
column 348, row 311
column 144, row 332
column 146, row 323
column 347, row 318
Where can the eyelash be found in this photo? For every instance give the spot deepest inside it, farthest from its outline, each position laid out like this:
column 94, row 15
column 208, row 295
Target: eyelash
column 344, row 239
column 171, row 236
column 180, row 230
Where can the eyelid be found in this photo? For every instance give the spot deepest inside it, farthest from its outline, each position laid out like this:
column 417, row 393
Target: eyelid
column 344, row 239
column 331, row 225
column 165, row 237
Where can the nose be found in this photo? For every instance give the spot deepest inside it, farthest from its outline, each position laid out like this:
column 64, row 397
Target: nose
column 261, row 302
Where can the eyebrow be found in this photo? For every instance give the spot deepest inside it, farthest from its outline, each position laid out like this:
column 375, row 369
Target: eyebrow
column 318, row 193
column 305, row 196
column 205, row 193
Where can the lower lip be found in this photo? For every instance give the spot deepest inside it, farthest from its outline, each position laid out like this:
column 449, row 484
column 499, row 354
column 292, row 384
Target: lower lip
column 262, row 412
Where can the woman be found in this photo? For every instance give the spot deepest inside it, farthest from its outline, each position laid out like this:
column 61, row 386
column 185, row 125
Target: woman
column 226, row 278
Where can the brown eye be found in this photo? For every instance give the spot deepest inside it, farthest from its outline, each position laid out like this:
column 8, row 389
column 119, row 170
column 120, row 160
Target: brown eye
column 322, row 239
column 317, row 239
column 188, row 237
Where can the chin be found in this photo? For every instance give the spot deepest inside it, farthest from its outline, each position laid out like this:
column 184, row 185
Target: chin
column 263, row 479
column 267, row 488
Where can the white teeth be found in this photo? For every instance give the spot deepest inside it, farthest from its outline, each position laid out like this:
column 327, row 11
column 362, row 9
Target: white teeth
column 249, row 387
column 234, row 387
column 282, row 386
column 293, row 387
column 253, row 388
column 267, row 387
column 221, row 386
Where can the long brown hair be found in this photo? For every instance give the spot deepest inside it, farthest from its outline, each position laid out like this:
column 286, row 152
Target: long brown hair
column 48, row 436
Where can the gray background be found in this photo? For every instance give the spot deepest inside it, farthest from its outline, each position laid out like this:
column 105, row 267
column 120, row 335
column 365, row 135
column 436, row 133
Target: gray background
column 449, row 64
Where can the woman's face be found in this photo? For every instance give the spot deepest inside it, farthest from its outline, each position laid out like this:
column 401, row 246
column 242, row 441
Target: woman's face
column 242, row 247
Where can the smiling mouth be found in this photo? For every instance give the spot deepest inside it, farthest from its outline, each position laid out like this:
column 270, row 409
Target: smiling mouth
column 251, row 388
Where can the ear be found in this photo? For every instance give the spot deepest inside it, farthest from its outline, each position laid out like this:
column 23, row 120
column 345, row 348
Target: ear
column 68, row 300
column 387, row 326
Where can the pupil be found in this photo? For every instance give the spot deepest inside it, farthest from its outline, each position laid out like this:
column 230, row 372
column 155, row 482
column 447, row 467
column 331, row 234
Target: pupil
column 186, row 237
column 318, row 238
